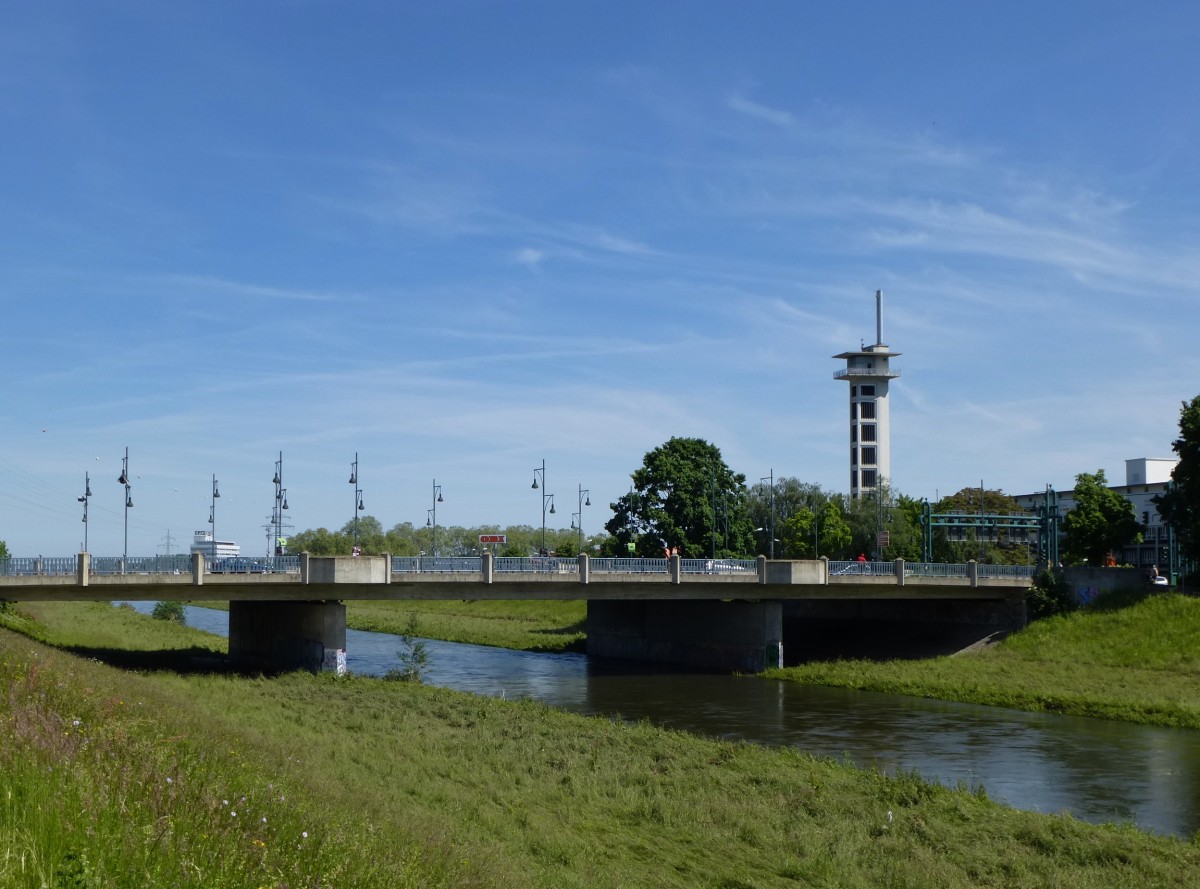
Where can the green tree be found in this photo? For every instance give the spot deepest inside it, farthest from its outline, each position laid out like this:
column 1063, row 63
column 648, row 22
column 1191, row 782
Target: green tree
column 1101, row 522
column 1180, row 505
column 830, row 537
column 685, row 496
column 4, row 554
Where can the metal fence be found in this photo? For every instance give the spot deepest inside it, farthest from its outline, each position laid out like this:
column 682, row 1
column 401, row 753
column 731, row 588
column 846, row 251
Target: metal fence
column 934, row 569
column 1009, row 572
column 437, row 565
column 627, row 566
column 862, row 569
column 15, row 566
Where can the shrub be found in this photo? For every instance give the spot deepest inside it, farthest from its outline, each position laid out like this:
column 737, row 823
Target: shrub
column 169, row 611
column 1049, row 595
column 414, row 658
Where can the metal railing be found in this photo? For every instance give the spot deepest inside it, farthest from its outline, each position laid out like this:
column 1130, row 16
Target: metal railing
column 627, row 566
column 180, row 563
column 37, row 566
column 862, row 569
column 718, row 566
column 437, row 565
column 1008, row 572
column 934, row 569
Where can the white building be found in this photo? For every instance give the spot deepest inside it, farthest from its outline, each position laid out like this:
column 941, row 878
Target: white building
column 1145, row 479
column 868, row 371
column 202, row 542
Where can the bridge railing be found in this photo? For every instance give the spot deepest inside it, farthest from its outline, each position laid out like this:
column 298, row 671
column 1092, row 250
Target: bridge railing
column 180, row 563
column 535, row 565
column 627, row 566
column 14, row 566
column 718, row 566
column 934, row 569
column 1008, row 572
column 437, row 565
column 862, row 569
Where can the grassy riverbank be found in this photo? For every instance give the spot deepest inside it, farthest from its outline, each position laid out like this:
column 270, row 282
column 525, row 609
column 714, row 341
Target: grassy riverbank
column 1132, row 658
column 122, row 778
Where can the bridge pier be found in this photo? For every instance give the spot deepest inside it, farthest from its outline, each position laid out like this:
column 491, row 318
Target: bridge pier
column 280, row 636
column 716, row 634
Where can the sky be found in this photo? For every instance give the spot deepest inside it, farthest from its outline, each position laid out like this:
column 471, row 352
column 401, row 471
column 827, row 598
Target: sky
column 459, row 239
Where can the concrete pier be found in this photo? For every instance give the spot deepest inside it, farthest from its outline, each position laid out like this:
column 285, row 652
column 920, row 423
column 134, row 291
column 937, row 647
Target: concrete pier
column 282, row 636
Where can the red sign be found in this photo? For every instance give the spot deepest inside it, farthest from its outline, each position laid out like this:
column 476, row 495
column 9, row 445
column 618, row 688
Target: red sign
column 493, row 538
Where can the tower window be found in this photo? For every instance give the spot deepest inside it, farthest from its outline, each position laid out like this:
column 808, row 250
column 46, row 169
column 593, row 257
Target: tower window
column 868, row 390
column 868, row 432
column 853, row 456
column 866, row 410
column 868, row 478
column 868, row 456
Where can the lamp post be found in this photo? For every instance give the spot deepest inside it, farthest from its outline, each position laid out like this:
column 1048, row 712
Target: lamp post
column 771, row 545
column 358, row 503
column 281, row 504
column 547, row 499
column 124, row 480
column 431, row 517
column 87, row 493
column 585, row 499
column 212, row 520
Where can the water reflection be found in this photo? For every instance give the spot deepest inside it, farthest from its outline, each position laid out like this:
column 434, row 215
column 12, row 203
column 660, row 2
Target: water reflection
column 1095, row 769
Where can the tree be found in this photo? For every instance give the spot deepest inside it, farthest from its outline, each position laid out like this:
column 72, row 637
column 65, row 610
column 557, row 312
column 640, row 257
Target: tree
column 1180, row 505
column 684, row 496
column 1100, row 523
column 4, row 554
column 830, row 537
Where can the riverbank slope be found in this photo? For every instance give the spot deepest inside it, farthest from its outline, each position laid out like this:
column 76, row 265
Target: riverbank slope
column 208, row 779
column 1129, row 657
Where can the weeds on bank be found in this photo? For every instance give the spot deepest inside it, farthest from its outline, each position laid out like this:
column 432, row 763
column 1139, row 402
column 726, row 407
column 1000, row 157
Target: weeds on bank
column 99, row 791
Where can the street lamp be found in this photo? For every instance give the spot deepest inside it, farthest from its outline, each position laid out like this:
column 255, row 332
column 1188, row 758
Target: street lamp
column 87, row 493
column 212, row 520
column 124, row 480
column 771, row 478
column 358, row 503
column 547, row 499
column 585, row 499
column 281, row 505
column 431, row 517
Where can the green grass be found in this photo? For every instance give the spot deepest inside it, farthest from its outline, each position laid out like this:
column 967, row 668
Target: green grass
column 1134, row 659
column 399, row 784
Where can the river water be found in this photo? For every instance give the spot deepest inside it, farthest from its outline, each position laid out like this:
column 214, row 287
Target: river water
column 1097, row 770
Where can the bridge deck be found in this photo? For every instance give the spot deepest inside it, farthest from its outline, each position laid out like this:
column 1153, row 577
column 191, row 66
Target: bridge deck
column 344, row 579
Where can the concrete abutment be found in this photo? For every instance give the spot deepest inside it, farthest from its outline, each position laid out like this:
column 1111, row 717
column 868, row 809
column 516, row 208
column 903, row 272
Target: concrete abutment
column 282, row 636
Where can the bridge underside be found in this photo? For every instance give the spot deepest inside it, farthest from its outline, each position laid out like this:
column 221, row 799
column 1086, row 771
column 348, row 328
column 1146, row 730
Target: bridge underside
column 722, row 635
column 283, row 636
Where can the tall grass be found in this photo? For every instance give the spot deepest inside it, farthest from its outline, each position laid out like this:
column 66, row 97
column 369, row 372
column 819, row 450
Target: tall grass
column 400, row 784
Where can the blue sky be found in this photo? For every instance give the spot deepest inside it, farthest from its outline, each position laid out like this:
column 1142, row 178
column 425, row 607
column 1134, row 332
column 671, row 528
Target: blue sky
column 459, row 238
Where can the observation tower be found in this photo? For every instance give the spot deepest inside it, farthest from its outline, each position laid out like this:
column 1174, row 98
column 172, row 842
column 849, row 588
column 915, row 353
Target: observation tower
column 868, row 371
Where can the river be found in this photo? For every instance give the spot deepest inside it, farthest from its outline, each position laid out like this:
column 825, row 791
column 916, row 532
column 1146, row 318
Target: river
column 1097, row 770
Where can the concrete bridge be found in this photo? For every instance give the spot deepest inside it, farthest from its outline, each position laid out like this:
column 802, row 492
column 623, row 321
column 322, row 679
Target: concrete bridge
column 717, row 614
